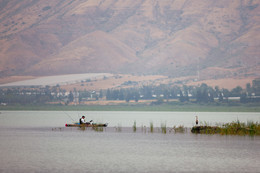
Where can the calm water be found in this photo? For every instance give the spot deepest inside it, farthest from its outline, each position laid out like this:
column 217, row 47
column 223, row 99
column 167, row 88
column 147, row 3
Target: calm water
column 39, row 142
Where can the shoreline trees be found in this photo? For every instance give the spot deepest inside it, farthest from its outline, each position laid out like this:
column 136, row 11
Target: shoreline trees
column 162, row 93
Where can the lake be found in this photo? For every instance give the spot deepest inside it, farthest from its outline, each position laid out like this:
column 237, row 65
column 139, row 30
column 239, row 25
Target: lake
column 38, row 141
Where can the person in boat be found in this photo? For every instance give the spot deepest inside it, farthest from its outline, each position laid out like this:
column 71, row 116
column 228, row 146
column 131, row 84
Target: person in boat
column 82, row 120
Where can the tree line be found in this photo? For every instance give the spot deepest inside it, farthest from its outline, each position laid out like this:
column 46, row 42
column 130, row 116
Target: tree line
column 198, row 94
column 161, row 93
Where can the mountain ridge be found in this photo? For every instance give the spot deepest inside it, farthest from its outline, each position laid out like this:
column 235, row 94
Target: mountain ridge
column 207, row 39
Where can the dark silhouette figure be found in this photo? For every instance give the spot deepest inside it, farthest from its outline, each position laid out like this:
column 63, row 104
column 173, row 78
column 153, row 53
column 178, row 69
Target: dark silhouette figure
column 197, row 120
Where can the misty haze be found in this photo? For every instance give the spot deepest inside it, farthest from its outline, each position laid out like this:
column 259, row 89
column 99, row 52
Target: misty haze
column 129, row 86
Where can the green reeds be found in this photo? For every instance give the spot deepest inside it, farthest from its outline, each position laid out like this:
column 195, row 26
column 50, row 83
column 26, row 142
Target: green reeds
column 163, row 128
column 134, row 126
column 233, row 128
column 151, row 127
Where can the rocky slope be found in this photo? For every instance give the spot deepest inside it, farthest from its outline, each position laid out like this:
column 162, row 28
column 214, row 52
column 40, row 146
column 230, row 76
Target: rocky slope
column 205, row 39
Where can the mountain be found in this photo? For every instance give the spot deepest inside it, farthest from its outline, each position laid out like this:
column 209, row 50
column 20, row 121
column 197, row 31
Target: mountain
column 205, row 39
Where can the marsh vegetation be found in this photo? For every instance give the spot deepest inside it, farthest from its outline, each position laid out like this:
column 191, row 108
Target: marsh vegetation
column 233, row 128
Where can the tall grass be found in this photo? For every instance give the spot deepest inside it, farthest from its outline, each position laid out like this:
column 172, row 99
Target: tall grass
column 151, row 127
column 163, row 128
column 134, row 126
column 233, row 128
column 238, row 128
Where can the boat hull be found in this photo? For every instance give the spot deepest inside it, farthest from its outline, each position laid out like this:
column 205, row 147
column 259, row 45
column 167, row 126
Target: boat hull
column 86, row 125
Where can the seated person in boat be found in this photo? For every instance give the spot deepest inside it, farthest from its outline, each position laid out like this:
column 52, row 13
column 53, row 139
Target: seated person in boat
column 82, row 120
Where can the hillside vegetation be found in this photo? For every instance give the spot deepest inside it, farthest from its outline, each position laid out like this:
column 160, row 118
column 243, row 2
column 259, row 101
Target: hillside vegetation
column 206, row 39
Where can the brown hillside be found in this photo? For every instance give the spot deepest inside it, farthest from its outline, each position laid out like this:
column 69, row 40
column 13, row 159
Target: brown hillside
column 94, row 52
column 207, row 39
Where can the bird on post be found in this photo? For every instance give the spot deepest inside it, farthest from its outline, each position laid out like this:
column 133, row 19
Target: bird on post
column 197, row 120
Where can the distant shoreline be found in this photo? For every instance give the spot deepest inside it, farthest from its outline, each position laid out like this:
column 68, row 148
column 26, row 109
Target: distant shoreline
column 141, row 107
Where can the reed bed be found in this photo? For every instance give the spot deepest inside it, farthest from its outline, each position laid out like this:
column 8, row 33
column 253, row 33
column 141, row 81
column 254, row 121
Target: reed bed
column 233, row 128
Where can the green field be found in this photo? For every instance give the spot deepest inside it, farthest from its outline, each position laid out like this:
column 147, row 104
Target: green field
column 188, row 107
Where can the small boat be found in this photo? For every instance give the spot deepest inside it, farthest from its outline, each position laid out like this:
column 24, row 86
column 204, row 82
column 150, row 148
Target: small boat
column 87, row 125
